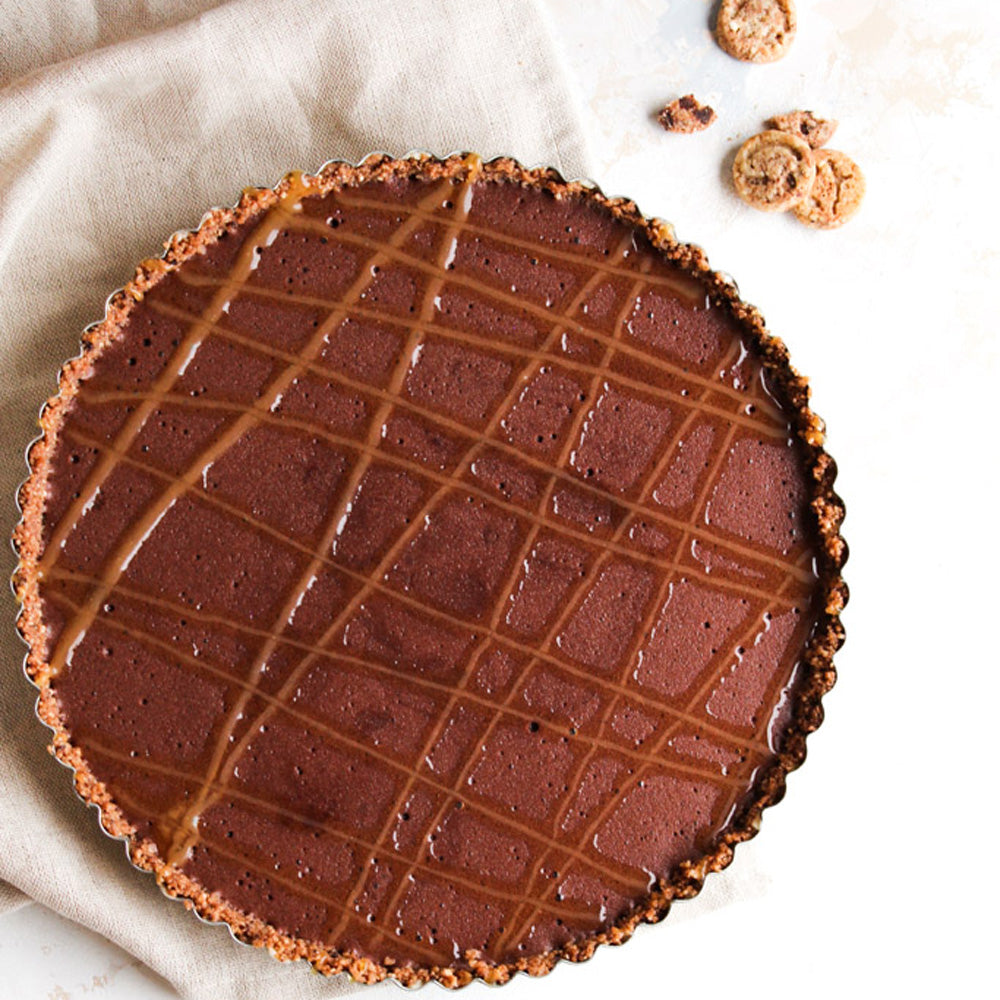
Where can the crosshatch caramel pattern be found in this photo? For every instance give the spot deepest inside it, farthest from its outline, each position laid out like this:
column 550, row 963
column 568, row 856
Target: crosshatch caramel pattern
column 431, row 568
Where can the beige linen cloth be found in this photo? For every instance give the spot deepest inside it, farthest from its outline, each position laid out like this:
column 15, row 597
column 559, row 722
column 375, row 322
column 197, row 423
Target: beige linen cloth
column 121, row 122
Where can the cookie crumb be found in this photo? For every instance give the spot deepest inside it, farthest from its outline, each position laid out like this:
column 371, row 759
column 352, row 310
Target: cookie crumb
column 758, row 31
column 773, row 171
column 686, row 115
column 836, row 193
column 816, row 131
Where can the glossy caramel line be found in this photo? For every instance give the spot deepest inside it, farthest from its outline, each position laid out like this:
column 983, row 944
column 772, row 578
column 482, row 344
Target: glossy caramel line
column 297, row 888
column 688, row 289
column 572, row 436
column 565, row 803
column 391, row 555
column 222, row 759
column 146, row 764
column 416, row 680
column 781, row 432
column 388, row 559
column 662, row 741
column 140, row 530
column 401, row 596
column 643, row 633
column 744, row 641
column 513, row 929
column 322, row 728
column 228, row 288
column 539, row 312
column 527, row 458
column 563, row 529
column 518, row 384
column 542, row 312
column 729, row 798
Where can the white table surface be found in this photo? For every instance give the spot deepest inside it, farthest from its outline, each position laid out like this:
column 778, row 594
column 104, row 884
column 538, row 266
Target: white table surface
column 876, row 874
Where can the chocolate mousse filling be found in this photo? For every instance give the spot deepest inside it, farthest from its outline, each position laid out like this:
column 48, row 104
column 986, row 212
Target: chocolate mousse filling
column 431, row 567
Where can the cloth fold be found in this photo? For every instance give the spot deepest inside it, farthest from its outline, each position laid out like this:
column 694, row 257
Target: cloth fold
column 120, row 123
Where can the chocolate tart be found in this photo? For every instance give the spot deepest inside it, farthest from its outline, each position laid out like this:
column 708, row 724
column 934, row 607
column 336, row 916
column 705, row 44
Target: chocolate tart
column 431, row 568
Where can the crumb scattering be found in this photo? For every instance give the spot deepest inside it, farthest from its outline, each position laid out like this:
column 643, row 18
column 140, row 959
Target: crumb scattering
column 686, row 114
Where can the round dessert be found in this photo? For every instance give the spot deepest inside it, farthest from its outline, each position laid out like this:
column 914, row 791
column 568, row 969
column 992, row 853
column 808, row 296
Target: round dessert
column 431, row 568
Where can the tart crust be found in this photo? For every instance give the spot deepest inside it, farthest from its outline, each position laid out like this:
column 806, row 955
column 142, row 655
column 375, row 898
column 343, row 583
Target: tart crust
column 826, row 512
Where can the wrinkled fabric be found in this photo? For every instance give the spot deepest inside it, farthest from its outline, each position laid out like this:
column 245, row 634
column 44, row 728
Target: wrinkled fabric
column 120, row 123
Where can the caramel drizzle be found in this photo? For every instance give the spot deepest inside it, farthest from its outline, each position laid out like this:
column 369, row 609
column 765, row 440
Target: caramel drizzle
column 137, row 534
column 677, row 287
column 369, row 581
column 541, row 465
column 565, row 530
column 412, row 602
column 276, row 704
column 266, row 805
column 540, row 312
column 513, row 930
column 509, row 299
column 221, row 760
column 472, row 660
column 208, row 323
column 632, row 780
column 151, row 641
column 388, row 560
column 779, row 432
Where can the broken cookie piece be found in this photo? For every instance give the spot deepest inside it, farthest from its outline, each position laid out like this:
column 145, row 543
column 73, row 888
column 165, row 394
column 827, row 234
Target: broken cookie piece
column 685, row 115
column 773, row 171
column 759, row 31
column 836, row 192
column 816, row 131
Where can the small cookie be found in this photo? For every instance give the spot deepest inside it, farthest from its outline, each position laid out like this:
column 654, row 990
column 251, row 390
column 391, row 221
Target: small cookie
column 757, row 31
column 836, row 192
column 816, row 131
column 686, row 115
column 773, row 171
